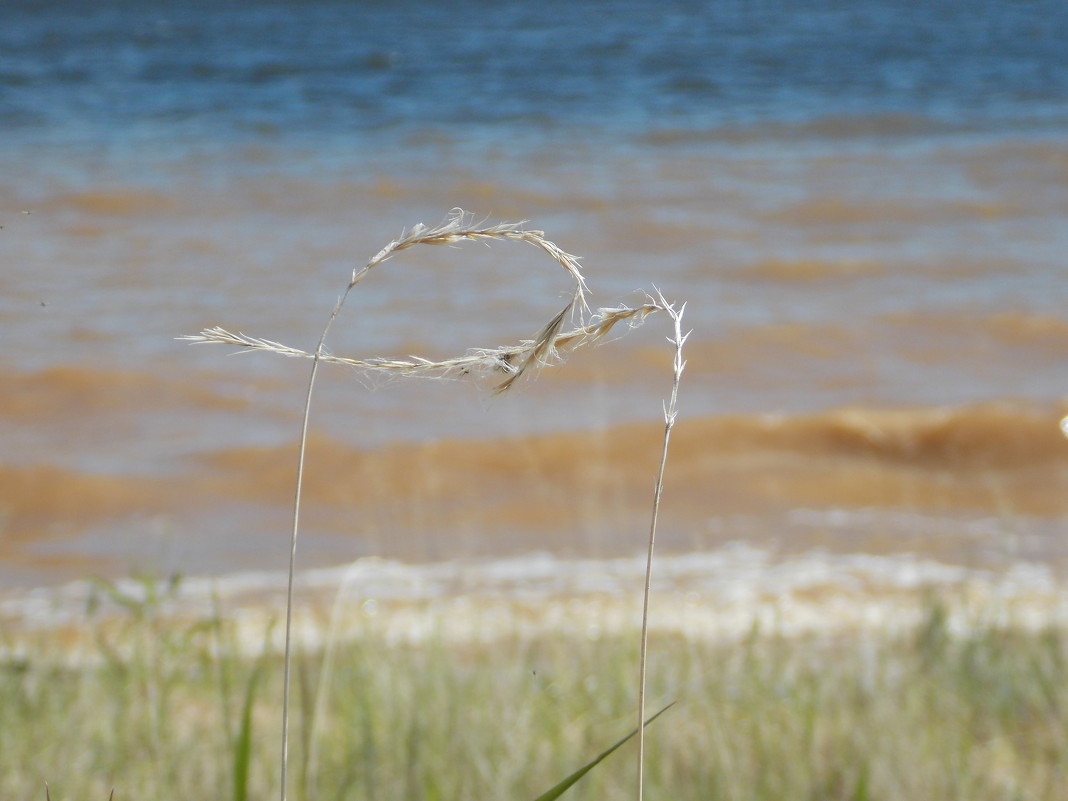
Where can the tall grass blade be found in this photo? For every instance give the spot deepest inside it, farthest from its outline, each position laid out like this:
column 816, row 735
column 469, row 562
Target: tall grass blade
column 243, row 740
column 558, row 790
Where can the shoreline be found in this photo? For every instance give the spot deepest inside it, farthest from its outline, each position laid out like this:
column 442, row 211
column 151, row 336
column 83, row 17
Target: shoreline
column 724, row 595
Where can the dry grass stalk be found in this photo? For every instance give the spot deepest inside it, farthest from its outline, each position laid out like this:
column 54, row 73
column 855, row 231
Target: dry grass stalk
column 670, row 413
column 544, row 349
column 510, row 359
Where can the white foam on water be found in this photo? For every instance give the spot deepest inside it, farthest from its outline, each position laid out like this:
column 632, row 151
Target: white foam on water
column 726, row 593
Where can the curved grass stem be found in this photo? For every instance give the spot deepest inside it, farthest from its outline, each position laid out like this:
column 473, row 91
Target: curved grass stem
column 546, row 347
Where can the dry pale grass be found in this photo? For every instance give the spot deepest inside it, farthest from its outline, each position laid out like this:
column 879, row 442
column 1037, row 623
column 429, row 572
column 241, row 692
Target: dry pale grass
column 544, row 348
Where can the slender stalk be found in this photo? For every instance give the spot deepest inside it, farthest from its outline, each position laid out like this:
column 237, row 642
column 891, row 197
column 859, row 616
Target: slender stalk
column 544, row 348
column 457, row 228
column 670, row 413
column 287, row 659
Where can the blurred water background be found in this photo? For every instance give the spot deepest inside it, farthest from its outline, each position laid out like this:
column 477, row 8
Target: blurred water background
column 863, row 205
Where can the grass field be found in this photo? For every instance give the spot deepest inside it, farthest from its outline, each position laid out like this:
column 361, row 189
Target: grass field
column 153, row 706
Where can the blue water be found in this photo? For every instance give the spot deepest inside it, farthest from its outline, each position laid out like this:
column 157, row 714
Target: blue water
column 863, row 204
column 370, row 75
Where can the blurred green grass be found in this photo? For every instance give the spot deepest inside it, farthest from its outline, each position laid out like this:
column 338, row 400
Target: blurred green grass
column 154, row 708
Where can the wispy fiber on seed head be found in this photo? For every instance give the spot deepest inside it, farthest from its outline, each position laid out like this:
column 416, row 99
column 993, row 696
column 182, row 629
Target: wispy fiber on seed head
column 546, row 348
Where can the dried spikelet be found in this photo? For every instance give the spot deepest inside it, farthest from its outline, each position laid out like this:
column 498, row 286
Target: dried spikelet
column 459, row 226
column 544, row 349
column 548, row 348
